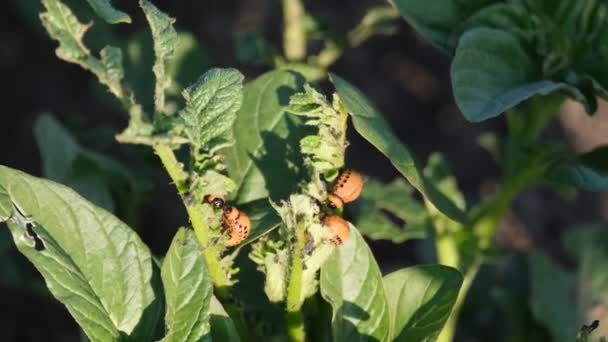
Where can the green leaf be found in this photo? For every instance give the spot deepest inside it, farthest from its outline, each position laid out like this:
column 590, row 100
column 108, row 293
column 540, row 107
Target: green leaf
column 58, row 148
column 574, row 173
column 325, row 149
column 189, row 61
column 371, row 125
column 597, row 159
column 99, row 179
column 104, row 9
column 265, row 160
column 211, row 106
column 93, row 263
column 352, row 283
column 63, row 26
column 381, row 19
column 253, row 48
column 437, row 20
column 165, row 40
column 379, row 201
column 551, row 299
column 188, row 290
column 222, row 326
column 263, row 218
column 420, row 300
column 492, row 72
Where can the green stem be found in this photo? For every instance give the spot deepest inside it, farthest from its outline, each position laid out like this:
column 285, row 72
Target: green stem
column 484, row 226
column 201, row 230
column 211, row 253
column 294, row 37
column 447, row 334
column 295, row 321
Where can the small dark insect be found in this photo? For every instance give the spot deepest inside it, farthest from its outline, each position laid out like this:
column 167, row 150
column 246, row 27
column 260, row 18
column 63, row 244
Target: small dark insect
column 309, row 245
column 217, row 201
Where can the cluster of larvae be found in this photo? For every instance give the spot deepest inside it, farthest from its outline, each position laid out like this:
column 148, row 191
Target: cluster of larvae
column 346, row 188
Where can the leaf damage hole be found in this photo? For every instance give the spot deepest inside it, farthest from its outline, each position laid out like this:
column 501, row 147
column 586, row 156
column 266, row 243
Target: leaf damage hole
column 31, row 235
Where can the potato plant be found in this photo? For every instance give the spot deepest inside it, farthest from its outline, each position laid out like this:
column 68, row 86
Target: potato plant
column 259, row 166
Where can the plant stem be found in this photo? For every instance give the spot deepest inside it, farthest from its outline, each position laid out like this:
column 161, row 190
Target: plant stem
column 295, row 321
column 220, row 280
column 201, row 230
column 294, row 37
column 449, row 329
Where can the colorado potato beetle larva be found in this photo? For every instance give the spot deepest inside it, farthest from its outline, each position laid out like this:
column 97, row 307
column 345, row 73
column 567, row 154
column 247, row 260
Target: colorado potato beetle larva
column 339, row 226
column 346, row 188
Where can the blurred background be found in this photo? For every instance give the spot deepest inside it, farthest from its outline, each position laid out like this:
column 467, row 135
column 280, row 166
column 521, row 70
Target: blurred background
column 406, row 77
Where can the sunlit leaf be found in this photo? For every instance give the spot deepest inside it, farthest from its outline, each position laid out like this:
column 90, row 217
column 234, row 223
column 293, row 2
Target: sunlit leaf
column 265, row 160
column 188, row 290
column 165, row 40
column 93, row 263
column 352, row 283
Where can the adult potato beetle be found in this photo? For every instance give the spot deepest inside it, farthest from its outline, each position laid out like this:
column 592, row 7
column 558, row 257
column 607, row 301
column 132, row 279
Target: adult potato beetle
column 339, row 226
column 217, row 201
column 237, row 224
column 346, row 188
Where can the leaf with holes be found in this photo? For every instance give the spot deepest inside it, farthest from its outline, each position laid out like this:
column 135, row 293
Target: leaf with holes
column 379, row 201
column 64, row 27
column 92, row 262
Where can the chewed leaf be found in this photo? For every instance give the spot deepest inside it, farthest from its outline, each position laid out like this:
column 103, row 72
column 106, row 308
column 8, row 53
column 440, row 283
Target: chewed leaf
column 378, row 202
column 188, row 290
column 92, row 262
column 371, row 125
column 64, row 280
column 104, row 9
column 165, row 43
column 211, row 106
column 63, row 26
column 326, row 148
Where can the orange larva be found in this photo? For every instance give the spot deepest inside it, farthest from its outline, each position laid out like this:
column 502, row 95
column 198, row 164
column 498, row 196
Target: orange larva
column 217, row 201
column 231, row 213
column 339, row 226
column 237, row 225
column 346, row 188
